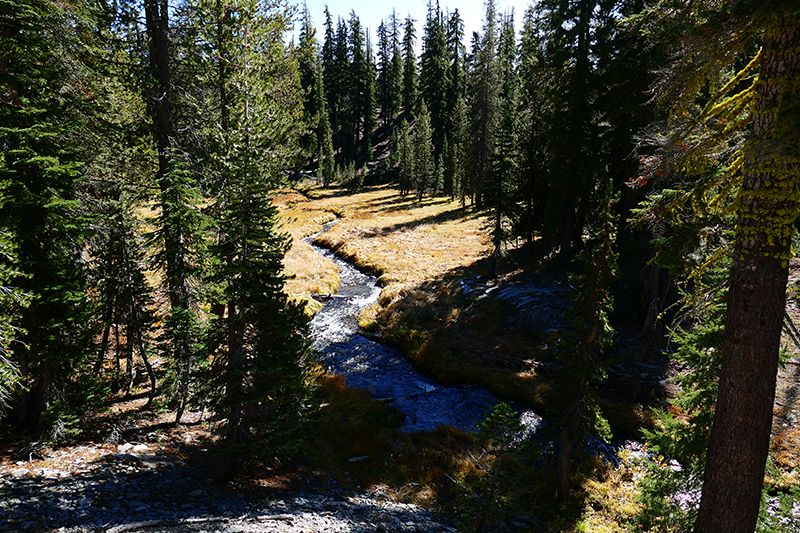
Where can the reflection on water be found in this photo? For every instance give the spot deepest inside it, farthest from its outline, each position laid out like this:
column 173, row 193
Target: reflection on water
column 384, row 370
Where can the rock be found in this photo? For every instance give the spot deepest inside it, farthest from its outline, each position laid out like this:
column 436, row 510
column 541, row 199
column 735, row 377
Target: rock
column 22, row 472
column 139, row 448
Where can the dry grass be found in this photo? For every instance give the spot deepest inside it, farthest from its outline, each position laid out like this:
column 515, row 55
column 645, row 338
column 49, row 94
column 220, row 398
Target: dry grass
column 611, row 497
column 404, row 241
column 418, row 250
column 309, row 273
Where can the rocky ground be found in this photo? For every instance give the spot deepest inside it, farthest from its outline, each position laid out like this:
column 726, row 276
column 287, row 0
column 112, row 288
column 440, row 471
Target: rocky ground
column 132, row 487
column 144, row 474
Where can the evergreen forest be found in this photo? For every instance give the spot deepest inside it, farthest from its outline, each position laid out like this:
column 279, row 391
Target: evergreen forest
column 627, row 169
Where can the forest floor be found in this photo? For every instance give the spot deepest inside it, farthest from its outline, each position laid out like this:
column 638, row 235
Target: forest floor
column 438, row 306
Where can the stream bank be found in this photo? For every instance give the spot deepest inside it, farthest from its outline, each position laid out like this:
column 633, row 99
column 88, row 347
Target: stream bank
column 384, row 370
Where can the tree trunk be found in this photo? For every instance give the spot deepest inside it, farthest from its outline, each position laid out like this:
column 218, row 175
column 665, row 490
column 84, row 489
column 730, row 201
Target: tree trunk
column 743, row 418
column 157, row 23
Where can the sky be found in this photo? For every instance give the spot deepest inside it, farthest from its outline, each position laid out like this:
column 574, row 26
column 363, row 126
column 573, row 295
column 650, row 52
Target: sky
column 371, row 12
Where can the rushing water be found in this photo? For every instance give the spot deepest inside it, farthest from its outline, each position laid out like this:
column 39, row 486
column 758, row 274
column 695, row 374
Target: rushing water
column 384, row 370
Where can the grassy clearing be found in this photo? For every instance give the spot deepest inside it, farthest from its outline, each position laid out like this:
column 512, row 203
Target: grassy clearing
column 419, row 250
column 309, row 273
column 403, row 241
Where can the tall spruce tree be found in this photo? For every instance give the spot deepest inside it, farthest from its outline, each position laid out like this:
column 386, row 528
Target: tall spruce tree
column 409, row 70
column 535, row 86
column 310, row 76
column 47, row 87
column 433, row 75
column 424, row 168
column 484, row 104
column 179, row 221
column 257, row 369
column 395, row 81
column 503, row 169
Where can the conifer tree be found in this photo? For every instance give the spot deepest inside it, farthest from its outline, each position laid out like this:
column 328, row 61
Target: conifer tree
column 327, row 156
column 395, row 95
column 433, row 75
column 329, row 77
column 503, row 170
column 179, row 221
column 424, row 170
column 13, row 302
column 384, row 89
column 535, row 80
column 409, row 70
column 47, row 87
column 368, row 102
column 345, row 116
column 257, row 369
column 591, row 333
column 406, row 159
column 484, row 104
column 761, row 174
column 310, row 81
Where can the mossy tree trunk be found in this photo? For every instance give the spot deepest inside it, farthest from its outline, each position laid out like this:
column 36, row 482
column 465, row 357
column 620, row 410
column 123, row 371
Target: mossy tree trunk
column 768, row 202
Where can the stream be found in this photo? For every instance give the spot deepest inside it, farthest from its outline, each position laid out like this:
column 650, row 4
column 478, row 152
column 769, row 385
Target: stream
column 384, row 370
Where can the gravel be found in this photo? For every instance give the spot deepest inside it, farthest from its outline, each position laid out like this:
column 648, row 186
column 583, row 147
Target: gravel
column 148, row 493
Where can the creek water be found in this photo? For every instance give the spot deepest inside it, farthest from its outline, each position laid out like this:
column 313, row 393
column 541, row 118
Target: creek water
column 384, row 370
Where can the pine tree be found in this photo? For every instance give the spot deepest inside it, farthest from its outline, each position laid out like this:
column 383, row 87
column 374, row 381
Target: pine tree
column 433, row 76
column 503, row 170
column 484, row 104
column 327, row 157
column 329, row 77
column 257, row 370
column 384, row 87
column 424, row 170
column 409, row 71
column 310, row 76
column 731, row 136
column 406, row 159
column 358, row 75
column 47, row 87
column 368, row 103
column 179, row 221
column 591, row 332
column 346, row 120
column 395, row 95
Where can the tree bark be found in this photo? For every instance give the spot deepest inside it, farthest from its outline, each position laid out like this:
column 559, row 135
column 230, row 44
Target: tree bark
column 768, row 204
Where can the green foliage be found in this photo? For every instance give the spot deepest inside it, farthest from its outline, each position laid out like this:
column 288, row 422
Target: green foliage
column 778, row 513
column 591, row 332
column 423, row 153
column 409, row 93
column 504, row 473
column 501, row 428
column 407, row 160
column 12, row 301
column 255, row 370
column 48, row 92
column 483, row 94
column 355, row 179
column 670, row 489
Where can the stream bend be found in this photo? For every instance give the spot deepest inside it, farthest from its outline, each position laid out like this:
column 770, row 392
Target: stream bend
column 384, row 370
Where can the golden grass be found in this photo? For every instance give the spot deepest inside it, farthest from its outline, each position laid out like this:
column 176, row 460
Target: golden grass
column 308, row 272
column 417, row 249
column 404, row 241
column 611, row 497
